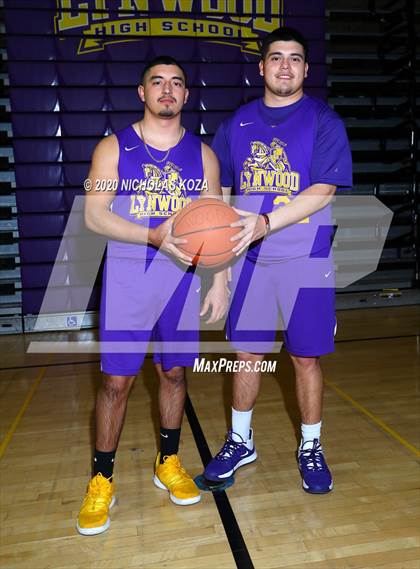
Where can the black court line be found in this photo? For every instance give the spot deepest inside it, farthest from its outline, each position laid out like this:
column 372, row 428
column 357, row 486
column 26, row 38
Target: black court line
column 97, row 361
column 49, row 365
column 233, row 533
column 373, row 338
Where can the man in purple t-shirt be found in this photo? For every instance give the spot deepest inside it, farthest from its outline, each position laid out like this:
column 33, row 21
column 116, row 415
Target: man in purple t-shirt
column 284, row 155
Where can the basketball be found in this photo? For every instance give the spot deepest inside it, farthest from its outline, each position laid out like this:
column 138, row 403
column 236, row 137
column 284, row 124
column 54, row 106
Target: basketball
column 205, row 223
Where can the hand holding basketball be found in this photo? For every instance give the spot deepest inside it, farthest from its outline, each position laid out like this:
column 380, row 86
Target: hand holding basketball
column 162, row 237
column 253, row 227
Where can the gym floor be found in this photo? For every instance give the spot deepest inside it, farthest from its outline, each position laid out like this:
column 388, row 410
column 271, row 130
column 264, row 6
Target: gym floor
column 265, row 520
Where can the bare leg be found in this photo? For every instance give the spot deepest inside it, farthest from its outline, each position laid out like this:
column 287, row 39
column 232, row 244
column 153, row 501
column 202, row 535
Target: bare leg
column 309, row 388
column 111, row 405
column 172, row 393
column 246, row 384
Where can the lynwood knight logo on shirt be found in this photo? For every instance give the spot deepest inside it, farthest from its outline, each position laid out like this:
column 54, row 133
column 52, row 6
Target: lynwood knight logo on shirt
column 268, row 169
column 160, row 193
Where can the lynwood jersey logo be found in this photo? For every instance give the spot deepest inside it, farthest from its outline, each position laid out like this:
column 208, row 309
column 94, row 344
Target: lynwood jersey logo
column 268, row 169
column 229, row 22
column 160, row 193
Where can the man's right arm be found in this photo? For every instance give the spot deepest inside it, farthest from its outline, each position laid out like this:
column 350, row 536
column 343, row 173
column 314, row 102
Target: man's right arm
column 98, row 216
column 100, row 219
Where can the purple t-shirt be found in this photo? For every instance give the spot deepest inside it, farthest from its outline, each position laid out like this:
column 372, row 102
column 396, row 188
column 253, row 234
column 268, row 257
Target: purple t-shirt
column 274, row 153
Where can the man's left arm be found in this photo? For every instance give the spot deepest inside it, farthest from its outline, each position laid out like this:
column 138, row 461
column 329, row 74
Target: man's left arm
column 217, row 298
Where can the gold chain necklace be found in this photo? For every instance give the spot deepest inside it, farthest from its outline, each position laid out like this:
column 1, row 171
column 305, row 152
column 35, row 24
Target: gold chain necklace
column 181, row 132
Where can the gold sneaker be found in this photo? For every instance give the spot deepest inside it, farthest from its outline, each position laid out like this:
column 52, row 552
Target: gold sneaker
column 93, row 516
column 173, row 477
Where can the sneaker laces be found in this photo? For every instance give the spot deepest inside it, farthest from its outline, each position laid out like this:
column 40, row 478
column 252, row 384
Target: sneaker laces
column 313, row 457
column 98, row 492
column 229, row 448
column 177, row 471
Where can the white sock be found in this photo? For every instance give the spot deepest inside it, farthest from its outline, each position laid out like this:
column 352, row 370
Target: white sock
column 310, row 432
column 241, row 423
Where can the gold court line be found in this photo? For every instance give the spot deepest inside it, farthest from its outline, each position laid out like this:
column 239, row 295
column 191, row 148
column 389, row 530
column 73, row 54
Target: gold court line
column 375, row 419
column 6, row 441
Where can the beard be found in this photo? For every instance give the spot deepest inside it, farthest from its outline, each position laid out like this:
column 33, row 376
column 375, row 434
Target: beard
column 166, row 113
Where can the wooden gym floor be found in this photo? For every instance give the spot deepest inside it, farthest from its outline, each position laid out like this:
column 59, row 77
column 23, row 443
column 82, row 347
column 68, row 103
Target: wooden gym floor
column 371, row 437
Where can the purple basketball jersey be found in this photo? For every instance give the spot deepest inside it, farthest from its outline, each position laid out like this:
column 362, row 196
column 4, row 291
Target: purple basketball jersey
column 272, row 164
column 151, row 189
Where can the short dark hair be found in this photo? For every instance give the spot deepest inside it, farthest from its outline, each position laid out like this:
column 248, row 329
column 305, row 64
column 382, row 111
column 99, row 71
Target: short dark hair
column 283, row 34
column 162, row 60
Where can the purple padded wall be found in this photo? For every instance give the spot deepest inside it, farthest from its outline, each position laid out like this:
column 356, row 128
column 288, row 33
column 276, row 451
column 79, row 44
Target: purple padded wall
column 69, row 88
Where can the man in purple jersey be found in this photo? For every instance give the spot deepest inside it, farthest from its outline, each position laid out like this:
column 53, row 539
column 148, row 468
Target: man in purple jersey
column 144, row 289
column 287, row 152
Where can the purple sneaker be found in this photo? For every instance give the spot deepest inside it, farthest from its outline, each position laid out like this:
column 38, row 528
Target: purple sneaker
column 316, row 477
column 231, row 456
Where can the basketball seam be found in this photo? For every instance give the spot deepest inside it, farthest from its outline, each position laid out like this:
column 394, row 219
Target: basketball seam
column 184, row 213
column 205, row 229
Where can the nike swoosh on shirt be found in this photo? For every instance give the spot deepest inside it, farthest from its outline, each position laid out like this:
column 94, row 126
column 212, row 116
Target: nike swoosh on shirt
column 131, row 147
column 245, row 123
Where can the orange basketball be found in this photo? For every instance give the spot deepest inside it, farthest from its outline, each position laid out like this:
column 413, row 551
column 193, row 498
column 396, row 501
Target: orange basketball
column 205, row 223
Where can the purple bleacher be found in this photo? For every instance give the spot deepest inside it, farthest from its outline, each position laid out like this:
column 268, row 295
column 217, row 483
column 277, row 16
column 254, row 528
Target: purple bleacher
column 40, row 200
column 209, row 51
column 317, row 52
column 220, row 98
column 123, row 73
column 311, row 27
column 33, row 98
column 68, row 50
column 184, row 50
column 221, row 74
column 86, row 99
column 251, row 75
column 207, row 138
column 30, row 47
column 94, row 298
column 79, row 149
column 37, row 275
column 30, row 124
column 34, row 150
column 191, row 121
column 81, row 72
column 75, row 173
column 70, row 194
column 251, row 93
column 317, row 75
column 84, row 124
column 125, row 99
column 120, row 120
column 42, row 225
column 39, row 251
column 191, row 69
column 42, row 22
column 37, row 175
column 318, row 92
column 58, row 299
column 80, row 298
column 193, row 102
column 138, row 51
column 33, row 73
column 212, row 119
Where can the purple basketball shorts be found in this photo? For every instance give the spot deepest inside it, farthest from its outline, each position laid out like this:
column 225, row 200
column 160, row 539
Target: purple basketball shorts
column 296, row 296
column 138, row 306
